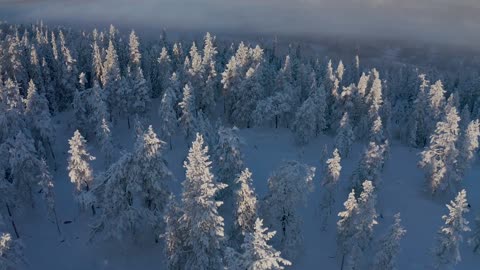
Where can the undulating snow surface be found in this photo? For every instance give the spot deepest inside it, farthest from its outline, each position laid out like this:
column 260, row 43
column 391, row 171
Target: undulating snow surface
column 264, row 150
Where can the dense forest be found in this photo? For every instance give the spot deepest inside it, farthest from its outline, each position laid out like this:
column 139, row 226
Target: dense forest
column 202, row 94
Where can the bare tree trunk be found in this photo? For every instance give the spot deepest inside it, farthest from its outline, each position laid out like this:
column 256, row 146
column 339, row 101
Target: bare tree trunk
column 13, row 221
column 56, row 222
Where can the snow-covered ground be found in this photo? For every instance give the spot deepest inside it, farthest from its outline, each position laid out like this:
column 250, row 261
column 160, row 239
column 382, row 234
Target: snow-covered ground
column 264, row 150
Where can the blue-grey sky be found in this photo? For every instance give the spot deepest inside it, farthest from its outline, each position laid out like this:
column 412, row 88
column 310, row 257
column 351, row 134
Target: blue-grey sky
column 444, row 21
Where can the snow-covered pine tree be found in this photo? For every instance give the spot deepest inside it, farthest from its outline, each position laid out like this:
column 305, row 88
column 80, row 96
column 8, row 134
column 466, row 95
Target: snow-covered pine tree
column 419, row 127
column 132, row 194
column 11, row 253
column 467, row 148
column 187, row 118
column 439, row 157
column 257, row 253
column 246, row 204
column 376, row 131
column 344, row 137
column 164, row 71
column 370, row 166
column 305, row 124
column 38, row 114
column 167, row 114
column 23, row 163
column 245, row 98
column 436, row 103
column 45, row 181
column 139, row 97
column 112, row 82
column 389, row 246
column 200, row 208
column 346, row 227
column 330, row 183
column 289, row 186
column 80, row 173
column 174, row 236
column 228, row 160
column 151, row 172
column 447, row 249
column 367, row 215
column 104, row 137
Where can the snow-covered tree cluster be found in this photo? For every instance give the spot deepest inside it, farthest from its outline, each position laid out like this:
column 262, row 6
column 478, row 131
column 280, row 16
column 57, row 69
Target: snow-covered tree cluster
column 103, row 85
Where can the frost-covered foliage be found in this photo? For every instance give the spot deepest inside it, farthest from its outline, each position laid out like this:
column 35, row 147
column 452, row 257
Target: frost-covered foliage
column 467, row 148
column 355, row 227
column 79, row 170
column 331, row 176
column 200, row 221
column 187, row 118
column 288, row 187
column 389, row 246
column 370, row 165
column 133, row 193
column 257, row 253
column 310, row 117
column 345, row 136
column 439, row 157
column 228, row 159
column 450, row 236
column 246, row 204
column 11, row 253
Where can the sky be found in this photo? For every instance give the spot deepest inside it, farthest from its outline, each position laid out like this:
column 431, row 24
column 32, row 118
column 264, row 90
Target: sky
column 453, row 22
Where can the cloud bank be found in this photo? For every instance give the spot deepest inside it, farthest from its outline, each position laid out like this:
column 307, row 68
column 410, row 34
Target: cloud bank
column 440, row 21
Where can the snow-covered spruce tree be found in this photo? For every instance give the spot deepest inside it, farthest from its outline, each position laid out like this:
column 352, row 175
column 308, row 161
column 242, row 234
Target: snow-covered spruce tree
column 174, row 236
column 245, row 98
column 447, row 249
column 151, row 171
column 11, row 253
column 79, row 171
column 436, row 103
column 23, row 163
column 439, row 157
column 187, row 118
column 45, row 181
column 104, row 137
column 346, row 227
column 418, row 129
column 200, row 219
column 367, row 215
column 257, row 253
column 168, row 116
column 38, row 114
column 474, row 240
column 246, row 205
column 376, row 131
column 305, row 124
column 132, row 194
column 289, row 186
column 389, row 246
column 113, row 85
column 68, row 76
column 370, row 166
column 344, row 137
column 355, row 227
column 467, row 148
column 330, row 183
column 139, row 96
column 228, row 160
column 160, row 80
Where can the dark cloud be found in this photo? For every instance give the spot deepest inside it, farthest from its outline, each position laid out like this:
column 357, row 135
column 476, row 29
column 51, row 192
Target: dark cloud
column 442, row 21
